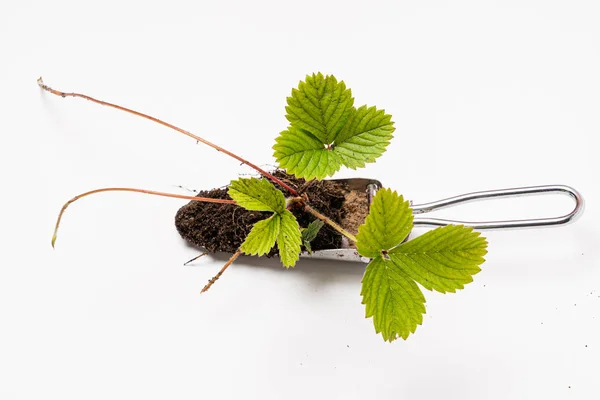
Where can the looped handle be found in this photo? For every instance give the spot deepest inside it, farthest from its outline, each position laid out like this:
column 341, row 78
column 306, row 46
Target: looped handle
column 532, row 190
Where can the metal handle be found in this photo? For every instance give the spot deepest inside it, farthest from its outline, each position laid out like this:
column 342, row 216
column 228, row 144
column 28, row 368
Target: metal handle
column 520, row 223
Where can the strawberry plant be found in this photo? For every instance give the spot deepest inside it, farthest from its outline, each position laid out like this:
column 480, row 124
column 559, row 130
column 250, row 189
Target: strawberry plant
column 326, row 131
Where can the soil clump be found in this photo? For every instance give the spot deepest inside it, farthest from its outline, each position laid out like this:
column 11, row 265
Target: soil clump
column 223, row 227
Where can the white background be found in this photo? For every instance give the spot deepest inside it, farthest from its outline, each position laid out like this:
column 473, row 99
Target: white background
column 484, row 94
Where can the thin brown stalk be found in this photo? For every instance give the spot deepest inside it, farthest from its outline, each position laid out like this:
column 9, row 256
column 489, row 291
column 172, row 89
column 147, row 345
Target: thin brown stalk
column 217, row 276
column 195, row 258
column 168, row 125
column 329, row 221
column 177, row 196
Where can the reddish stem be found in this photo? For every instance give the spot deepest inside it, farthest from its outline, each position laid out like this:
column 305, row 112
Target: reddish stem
column 168, row 125
column 177, row 196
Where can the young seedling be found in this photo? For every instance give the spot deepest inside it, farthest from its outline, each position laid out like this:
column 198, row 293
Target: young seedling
column 281, row 209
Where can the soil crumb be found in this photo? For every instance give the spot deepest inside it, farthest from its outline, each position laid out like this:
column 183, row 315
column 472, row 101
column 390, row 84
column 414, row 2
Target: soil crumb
column 356, row 208
column 223, row 227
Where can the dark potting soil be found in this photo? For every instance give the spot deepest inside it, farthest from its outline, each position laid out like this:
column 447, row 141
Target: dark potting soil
column 223, row 227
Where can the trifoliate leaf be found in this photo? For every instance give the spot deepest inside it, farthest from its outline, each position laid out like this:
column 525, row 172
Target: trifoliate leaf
column 281, row 228
column 389, row 222
column 392, row 298
column 444, row 259
column 256, row 195
column 327, row 132
column 289, row 239
column 304, row 155
column 321, row 106
column 262, row 237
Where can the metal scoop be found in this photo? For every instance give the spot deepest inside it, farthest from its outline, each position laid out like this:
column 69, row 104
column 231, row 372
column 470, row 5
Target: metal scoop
column 370, row 186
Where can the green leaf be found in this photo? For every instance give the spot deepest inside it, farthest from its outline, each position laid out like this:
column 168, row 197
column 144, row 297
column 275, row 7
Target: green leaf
column 303, row 155
column 289, row 239
column 389, row 222
column 312, row 230
column 365, row 137
column 310, row 233
column 321, row 106
column 257, row 195
column 307, row 246
column 262, row 237
column 393, row 299
column 281, row 228
column 326, row 131
column 444, row 259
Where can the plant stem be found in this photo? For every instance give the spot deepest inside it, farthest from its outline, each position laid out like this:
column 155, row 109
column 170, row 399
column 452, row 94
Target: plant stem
column 168, row 125
column 195, row 258
column 330, row 222
column 177, row 196
column 218, row 275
